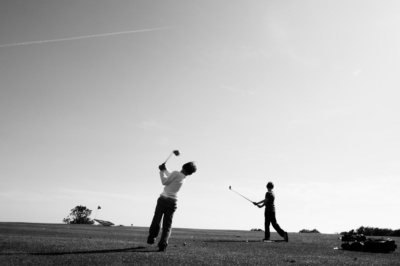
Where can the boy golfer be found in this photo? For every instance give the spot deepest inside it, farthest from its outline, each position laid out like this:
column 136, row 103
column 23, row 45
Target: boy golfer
column 167, row 203
column 269, row 214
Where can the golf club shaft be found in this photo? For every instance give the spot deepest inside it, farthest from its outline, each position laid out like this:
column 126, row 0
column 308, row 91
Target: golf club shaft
column 240, row 194
column 169, row 157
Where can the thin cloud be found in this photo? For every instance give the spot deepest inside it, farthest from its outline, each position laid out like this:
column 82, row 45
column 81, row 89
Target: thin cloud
column 83, row 37
column 59, row 195
column 357, row 72
column 151, row 125
column 95, row 195
column 237, row 90
column 281, row 37
column 315, row 118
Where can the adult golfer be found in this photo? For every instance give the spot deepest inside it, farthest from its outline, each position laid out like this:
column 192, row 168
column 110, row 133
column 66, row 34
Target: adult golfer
column 167, row 203
column 270, row 217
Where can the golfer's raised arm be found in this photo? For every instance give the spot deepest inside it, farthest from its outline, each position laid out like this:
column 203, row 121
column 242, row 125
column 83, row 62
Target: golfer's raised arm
column 164, row 176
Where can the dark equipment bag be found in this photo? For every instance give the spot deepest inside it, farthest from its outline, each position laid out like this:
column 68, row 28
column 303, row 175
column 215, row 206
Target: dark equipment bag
column 371, row 245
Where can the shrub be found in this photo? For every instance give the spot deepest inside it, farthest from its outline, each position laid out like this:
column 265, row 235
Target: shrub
column 374, row 231
column 396, row 233
column 79, row 215
column 309, row 231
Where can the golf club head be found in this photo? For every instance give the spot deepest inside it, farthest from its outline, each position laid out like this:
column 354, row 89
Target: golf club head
column 176, row 152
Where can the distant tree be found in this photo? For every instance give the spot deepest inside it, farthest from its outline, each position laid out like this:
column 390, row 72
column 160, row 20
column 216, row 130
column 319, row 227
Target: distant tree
column 79, row 215
column 309, row 231
column 396, row 233
column 373, row 231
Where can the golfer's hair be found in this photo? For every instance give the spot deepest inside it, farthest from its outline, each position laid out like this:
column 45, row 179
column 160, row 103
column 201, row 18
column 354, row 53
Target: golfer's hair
column 270, row 185
column 189, row 168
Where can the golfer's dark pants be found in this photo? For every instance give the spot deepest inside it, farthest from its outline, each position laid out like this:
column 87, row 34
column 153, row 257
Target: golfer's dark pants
column 164, row 211
column 271, row 219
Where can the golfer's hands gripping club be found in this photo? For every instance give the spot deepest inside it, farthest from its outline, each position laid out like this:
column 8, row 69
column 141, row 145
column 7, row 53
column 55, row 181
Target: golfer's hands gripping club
column 256, row 204
column 162, row 167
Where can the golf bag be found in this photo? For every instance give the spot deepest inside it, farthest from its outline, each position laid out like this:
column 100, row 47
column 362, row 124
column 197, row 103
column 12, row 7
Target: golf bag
column 379, row 245
column 371, row 245
column 353, row 246
column 351, row 236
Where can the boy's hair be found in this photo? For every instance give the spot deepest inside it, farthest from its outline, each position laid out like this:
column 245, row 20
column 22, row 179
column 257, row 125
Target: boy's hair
column 189, row 168
column 270, row 185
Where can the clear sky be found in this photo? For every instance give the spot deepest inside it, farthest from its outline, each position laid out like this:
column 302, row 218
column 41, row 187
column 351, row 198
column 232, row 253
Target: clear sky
column 95, row 94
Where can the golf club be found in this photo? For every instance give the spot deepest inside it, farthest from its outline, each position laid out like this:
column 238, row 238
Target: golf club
column 176, row 152
column 239, row 194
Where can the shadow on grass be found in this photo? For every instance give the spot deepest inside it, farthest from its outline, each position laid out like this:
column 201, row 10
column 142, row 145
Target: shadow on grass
column 242, row 241
column 102, row 251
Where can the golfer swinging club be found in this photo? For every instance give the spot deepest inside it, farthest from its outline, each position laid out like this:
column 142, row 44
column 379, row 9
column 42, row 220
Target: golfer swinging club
column 269, row 214
column 167, row 203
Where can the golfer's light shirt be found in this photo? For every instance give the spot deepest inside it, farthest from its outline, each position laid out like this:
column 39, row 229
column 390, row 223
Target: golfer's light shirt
column 172, row 182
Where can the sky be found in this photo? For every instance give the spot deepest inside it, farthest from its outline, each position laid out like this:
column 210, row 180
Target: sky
column 95, row 94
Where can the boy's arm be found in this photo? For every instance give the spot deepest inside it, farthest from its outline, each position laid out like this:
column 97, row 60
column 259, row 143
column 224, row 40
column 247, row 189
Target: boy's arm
column 164, row 173
column 165, row 177
column 262, row 202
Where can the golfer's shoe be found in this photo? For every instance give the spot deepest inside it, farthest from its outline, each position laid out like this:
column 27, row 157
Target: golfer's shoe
column 162, row 248
column 151, row 240
column 265, row 240
column 286, row 237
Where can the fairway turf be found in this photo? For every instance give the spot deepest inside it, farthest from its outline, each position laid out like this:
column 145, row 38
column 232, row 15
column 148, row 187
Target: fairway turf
column 59, row 244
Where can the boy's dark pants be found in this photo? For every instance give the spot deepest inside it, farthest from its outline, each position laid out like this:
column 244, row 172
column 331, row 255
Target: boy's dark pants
column 271, row 219
column 165, row 207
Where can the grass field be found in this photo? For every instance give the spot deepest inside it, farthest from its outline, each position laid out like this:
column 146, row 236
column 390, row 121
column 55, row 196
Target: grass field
column 59, row 244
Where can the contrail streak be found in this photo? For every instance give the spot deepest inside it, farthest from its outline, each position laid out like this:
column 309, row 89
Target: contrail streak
column 83, row 37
